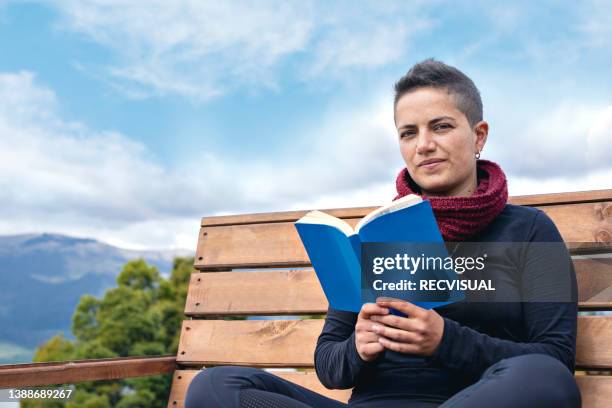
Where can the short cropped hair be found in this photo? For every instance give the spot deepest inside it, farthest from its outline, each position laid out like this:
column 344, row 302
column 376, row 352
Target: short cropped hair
column 436, row 74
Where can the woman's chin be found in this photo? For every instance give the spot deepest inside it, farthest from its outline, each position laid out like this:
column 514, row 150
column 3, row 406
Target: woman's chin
column 434, row 186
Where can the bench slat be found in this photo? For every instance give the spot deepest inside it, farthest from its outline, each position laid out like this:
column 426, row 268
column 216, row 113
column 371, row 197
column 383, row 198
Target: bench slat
column 66, row 372
column 574, row 197
column 277, row 244
column 291, row 343
column 596, row 390
column 261, row 343
column 594, row 341
column 292, row 291
column 182, row 379
column 297, row 291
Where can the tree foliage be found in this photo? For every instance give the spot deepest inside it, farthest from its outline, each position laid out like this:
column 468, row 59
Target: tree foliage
column 141, row 316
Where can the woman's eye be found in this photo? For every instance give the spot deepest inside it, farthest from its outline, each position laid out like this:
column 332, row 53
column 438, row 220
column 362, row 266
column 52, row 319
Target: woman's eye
column 406, row 134
column 443, row 126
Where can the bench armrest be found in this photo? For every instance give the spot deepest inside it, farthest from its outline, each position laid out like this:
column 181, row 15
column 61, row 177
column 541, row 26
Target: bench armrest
column 68, row 372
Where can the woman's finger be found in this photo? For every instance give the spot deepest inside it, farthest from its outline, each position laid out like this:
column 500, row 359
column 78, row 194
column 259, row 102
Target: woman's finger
column 369, row 337
column 363, row 326
column 408, row 348
column 372, row 348
column 403, row 306
column 369, row 309
column 404, row 323
column 401, row 336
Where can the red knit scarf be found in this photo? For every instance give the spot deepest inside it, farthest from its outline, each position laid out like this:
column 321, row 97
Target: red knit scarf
column 462, row 217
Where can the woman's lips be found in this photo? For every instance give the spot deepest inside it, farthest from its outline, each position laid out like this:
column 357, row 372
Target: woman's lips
column 431, row 165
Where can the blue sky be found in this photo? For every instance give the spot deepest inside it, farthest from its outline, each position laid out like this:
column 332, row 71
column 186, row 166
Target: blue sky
column 128, row 121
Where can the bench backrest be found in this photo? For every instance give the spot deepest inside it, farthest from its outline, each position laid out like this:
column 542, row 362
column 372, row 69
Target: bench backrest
column 241, row 256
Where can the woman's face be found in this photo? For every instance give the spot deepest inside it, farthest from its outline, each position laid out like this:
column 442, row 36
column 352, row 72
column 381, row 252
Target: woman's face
column 432, row 129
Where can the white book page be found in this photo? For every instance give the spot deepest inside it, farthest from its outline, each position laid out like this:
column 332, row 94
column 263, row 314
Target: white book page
column 319, row 217
column 406, row 201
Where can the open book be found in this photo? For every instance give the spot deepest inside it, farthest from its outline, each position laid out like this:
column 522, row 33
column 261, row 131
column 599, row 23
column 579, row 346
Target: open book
column 335, row 248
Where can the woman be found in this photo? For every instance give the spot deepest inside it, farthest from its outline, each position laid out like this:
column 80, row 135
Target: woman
column 467, row 354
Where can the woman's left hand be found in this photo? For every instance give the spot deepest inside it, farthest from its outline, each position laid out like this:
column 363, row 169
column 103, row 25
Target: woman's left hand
column 419, row 333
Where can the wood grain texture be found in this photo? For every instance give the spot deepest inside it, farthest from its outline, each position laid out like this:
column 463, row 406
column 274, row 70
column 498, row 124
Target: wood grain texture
column 291, row 343
column 358, row 212
column 278, row 292
column 594, row 283
column 596, row 390
column 297, row 291
column 68, row 372
column 258, row 343
column 572, row 197
column 585, row 227
column 594, row 342
column 182, row 379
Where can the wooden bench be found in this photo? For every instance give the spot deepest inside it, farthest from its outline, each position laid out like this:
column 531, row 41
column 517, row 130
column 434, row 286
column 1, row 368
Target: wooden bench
column 255, row 265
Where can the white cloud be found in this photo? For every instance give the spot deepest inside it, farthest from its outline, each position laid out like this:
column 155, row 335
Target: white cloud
column 191, row 48
column 64, row 177
column 594, row 23
column 599, row 138
column 593, row 180
column 201, row 49
column 564, row 142
column 559, row 38
column 546, row 132
column 370, row 36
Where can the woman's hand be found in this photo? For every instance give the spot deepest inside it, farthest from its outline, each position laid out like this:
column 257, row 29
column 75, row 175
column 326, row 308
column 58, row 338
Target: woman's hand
column 366, row 340
column 419, row 333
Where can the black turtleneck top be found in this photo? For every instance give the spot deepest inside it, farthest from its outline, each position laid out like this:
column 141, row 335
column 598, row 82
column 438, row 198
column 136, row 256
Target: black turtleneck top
column 476, row 334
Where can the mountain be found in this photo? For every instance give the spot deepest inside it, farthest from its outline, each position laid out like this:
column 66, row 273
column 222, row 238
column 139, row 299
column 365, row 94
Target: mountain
column 43, row 276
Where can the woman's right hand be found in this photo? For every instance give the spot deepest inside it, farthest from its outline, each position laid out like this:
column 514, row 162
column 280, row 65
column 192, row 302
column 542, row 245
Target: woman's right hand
column 366, row 339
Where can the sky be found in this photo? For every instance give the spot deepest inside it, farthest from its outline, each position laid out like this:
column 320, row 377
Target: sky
column 127, row 121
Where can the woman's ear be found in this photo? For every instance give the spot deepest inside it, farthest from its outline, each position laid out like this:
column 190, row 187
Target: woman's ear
column 481, row 129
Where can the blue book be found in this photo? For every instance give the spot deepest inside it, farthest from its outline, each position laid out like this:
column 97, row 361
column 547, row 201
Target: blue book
column 335, row 250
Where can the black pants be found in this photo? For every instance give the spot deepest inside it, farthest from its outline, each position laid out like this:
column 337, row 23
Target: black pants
column 530, row 380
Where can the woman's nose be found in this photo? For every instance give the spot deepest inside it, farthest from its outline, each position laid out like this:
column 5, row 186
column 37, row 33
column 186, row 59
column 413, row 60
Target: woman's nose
column 425, row 143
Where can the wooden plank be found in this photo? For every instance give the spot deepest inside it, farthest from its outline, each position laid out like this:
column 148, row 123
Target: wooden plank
column 182, row 379
column 573, row 197
column 68, row 372
column 249, row 245
column 596, row 390
column 358, row 212
column 594, row 277
column 595, row 271
column 594, row 342
column 297, row 291
column 258, row 343
column 278, row 292
column 281, row 216
column 278, row 245
column 291, row 343
column 584, row 225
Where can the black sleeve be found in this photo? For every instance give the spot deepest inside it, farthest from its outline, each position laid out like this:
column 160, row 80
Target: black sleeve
column 337, row 362
column 549, row 327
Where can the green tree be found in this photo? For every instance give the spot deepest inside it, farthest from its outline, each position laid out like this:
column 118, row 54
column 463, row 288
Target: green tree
column 141, row 316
